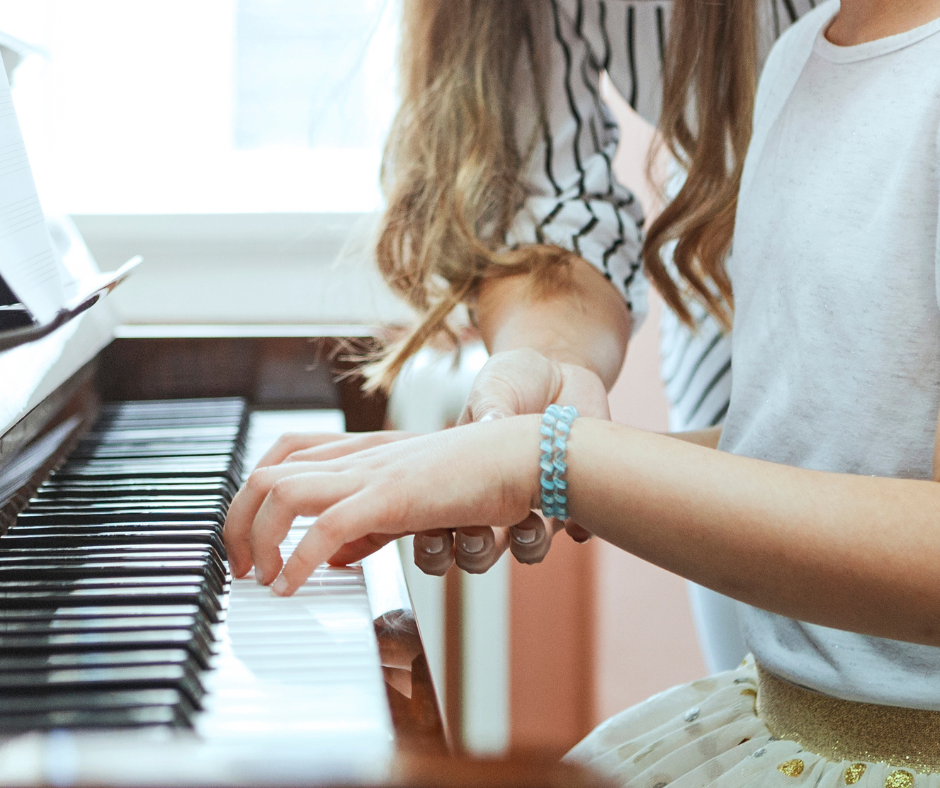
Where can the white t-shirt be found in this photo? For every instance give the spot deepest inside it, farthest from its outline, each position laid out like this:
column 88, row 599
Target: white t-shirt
column 837, row 327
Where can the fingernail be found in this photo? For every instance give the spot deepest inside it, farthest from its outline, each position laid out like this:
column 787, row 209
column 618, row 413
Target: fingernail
column 525, row 535
column 432, row 544
column 259, row 576
column 492, row 416
column 279, row 586
column 472, row 544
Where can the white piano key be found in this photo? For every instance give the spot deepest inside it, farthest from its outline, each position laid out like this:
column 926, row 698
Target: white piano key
column 304, row 665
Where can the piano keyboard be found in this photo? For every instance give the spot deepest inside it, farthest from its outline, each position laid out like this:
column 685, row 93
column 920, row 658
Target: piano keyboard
column 112, row 579
column 117, row 609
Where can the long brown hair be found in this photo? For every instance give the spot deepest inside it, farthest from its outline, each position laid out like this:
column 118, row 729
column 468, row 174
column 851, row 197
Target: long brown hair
column 452, row 165
column 709, row 85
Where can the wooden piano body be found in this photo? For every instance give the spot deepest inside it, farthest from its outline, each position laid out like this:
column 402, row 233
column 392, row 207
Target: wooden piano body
column 282, row 722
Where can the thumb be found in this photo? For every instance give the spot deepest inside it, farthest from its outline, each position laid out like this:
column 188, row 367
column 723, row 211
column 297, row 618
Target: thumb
column 477, row 415
column 487, row 408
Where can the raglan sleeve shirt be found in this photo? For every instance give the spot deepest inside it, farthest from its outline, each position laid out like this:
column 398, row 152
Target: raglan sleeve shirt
column 574, row 199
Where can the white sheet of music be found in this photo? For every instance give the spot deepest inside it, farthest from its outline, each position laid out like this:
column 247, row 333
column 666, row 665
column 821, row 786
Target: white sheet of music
column 28, row 263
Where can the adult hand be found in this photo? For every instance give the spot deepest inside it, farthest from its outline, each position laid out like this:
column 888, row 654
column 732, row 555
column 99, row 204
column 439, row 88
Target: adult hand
column 470, row 474
column 514, row 382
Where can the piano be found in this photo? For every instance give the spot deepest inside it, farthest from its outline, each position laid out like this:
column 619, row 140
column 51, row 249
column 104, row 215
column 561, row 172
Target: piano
column 128, row 654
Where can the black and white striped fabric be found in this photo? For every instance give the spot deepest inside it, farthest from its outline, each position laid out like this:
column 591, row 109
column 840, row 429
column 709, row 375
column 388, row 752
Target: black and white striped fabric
column 575, row 200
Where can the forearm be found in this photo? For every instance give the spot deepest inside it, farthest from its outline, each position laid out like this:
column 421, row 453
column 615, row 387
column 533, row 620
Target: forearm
column 585, row 323
column 851, row 552
column 708, row 438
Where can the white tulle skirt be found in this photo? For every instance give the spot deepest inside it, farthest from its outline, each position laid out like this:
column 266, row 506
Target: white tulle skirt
column 717, row 732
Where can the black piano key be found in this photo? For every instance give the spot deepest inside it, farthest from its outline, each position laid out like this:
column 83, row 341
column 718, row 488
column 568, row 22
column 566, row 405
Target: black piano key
column 81, row 499
column 85, row 700
column 158, row 467
column 151, row 432
column 105, row 488
column 105, row 719
column 68, row 503
column 116, row 471
column 209, row 605
column 57, row 585
column 199, row 630
column 97, row 612
column 184, row 408
column 107, row 679
column 148, row 434
column 22, row 560
column 113, row 623
column 114, row 537
column 17, row 645
column 54, row 584
column 214, row 517
column 203, row 483
column 142, row 550
column 81, row 533
column 184, row 464
column 82, row 570
column 155, row 452
column 212, row 568
column 115, row 422
column 95, row 659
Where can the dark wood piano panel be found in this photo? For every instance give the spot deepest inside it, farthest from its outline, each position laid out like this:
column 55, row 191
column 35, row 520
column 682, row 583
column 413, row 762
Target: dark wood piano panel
column 271, row 372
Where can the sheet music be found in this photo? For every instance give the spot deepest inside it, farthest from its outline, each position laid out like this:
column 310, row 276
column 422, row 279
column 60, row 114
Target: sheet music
column 28, row 263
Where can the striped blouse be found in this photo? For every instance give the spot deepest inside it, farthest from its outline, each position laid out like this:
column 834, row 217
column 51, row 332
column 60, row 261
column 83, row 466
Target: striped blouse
column 574, row 198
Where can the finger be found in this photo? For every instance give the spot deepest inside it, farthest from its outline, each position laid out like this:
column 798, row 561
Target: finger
column 350, row 520
column 300, row 495
column 241, row 515
column 291, row 442
column 579, row 534
column 348, row 445
column 479, row 547
column 530, row 540
column 356, row 551
column 244, row 508
column 434, row 551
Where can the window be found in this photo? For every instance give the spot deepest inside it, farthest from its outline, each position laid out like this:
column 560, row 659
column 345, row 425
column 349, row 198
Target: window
column 206, row 106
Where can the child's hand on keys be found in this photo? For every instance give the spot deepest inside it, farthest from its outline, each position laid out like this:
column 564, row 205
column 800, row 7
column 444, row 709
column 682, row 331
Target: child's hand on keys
column 478, row 473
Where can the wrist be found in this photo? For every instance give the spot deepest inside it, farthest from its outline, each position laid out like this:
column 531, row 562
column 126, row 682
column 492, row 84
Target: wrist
column 523, row 467
column 561, row 355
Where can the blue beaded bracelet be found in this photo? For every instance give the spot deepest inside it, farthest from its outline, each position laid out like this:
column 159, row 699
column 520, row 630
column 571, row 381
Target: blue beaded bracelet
column 555, row 429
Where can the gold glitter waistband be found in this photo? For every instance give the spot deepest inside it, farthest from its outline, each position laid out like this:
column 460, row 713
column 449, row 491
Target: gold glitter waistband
column 843, row 730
